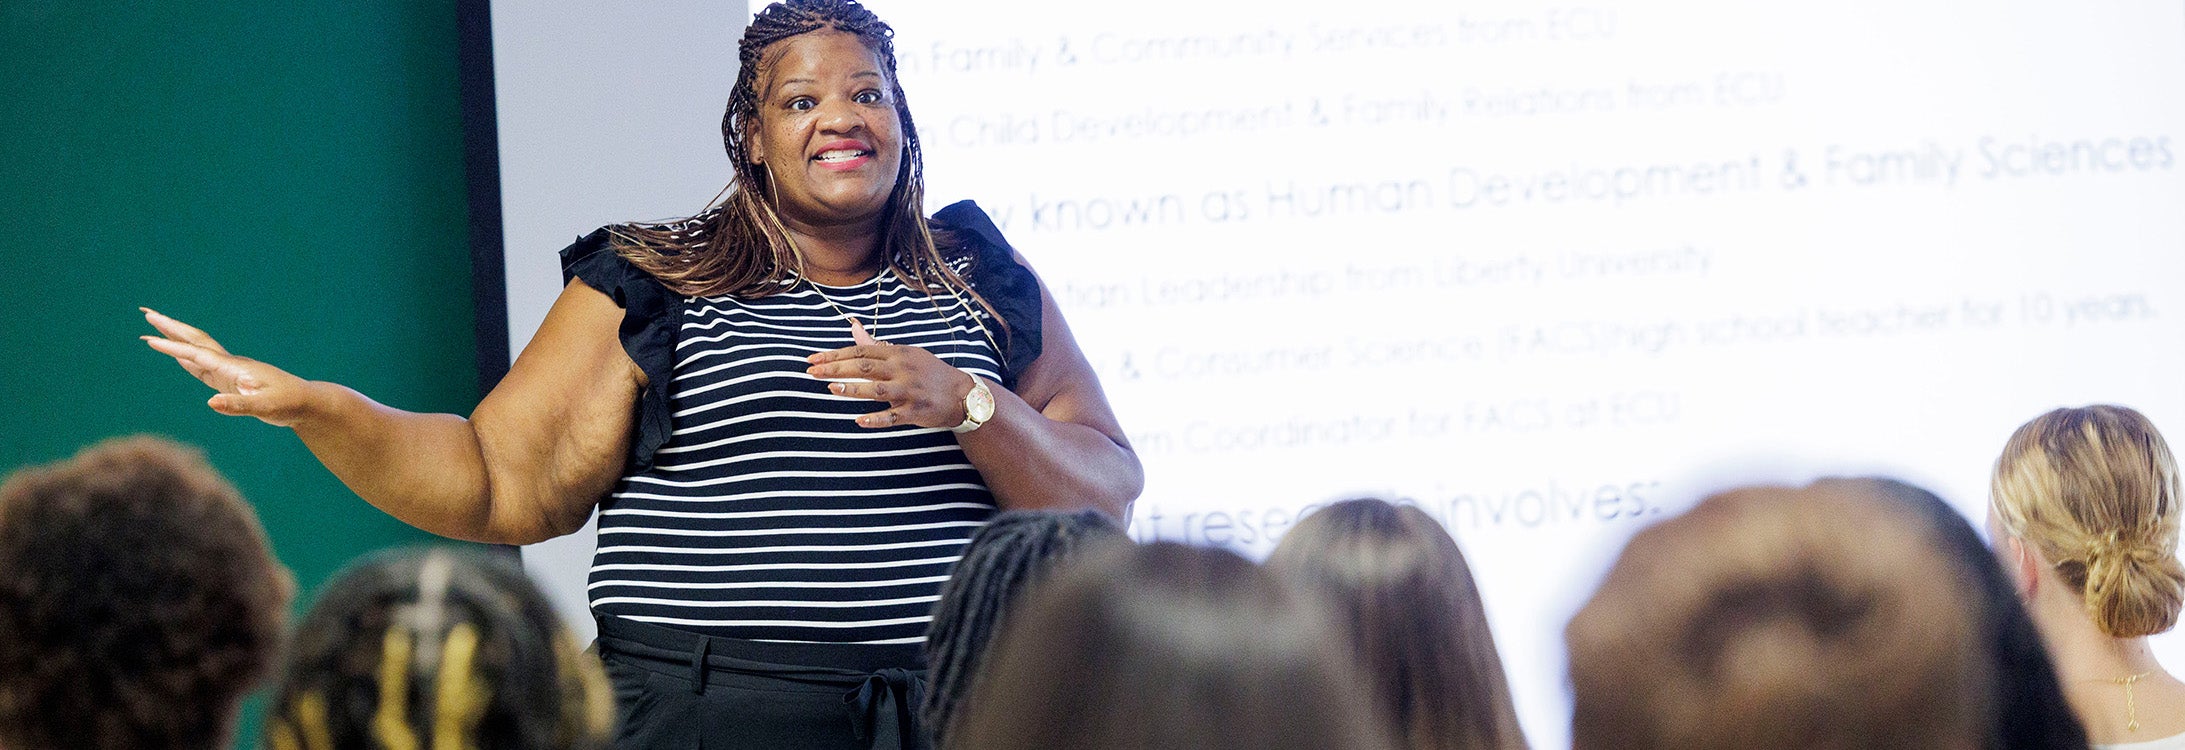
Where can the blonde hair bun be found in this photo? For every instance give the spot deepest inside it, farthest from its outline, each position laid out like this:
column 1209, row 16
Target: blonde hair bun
column 2133, row 587
column 2095, row 489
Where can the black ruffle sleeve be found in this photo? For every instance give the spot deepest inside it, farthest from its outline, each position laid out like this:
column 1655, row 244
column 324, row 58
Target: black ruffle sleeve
column 1006, row 284
column 649, row 324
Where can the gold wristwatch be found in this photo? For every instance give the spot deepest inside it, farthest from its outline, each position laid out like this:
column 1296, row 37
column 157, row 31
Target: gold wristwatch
column 978, row 407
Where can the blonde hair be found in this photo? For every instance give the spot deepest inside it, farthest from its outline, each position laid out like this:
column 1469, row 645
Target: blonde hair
column 1822, row 617
column 2095, row 490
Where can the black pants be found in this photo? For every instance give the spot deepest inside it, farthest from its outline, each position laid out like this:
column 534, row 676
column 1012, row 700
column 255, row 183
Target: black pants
column 677, row 690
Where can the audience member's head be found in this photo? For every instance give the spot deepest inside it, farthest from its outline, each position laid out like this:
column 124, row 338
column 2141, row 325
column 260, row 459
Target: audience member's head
column 1414, row 616
column 2094, row 491
column 1003, row 560
column 139, row 601
column 437, row 650
column 1822, row 617
column 2028, row 710
column 1166, row 646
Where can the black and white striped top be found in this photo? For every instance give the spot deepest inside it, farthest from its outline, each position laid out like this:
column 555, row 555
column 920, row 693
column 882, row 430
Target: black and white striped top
column 769, row 514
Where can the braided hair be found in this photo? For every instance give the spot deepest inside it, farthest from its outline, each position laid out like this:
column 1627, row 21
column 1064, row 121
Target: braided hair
column 1014, row 550
column 437, row 650
column 739, row 246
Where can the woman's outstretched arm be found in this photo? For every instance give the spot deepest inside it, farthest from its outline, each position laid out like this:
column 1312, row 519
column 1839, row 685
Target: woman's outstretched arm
column 528, row 465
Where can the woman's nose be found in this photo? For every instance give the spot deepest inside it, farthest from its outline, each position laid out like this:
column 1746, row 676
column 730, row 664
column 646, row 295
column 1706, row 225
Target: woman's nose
column 839, row 116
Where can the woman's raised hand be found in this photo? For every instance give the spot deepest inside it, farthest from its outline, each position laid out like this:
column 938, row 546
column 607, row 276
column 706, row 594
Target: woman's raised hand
column 247, row 387
column 919, row 388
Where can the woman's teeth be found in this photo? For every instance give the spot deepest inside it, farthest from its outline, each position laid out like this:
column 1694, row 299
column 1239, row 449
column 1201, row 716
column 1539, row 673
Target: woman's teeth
column 840, row 155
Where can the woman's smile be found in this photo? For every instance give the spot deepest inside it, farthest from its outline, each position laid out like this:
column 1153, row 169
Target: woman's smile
column 843, row 155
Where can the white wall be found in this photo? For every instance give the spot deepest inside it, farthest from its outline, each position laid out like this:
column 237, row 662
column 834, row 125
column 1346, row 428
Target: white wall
column 608, row 112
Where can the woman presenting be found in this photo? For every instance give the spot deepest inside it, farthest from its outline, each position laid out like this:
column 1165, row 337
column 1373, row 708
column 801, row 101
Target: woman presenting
column 791, row 411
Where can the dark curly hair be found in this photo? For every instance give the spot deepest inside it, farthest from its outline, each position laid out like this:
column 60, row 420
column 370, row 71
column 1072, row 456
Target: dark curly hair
column 437, row 648
column 739, row 246
column 1008, row 555
column 139, row 601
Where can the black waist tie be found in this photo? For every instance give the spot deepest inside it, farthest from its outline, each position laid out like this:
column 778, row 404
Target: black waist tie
column 884, row 706
column 881, row 685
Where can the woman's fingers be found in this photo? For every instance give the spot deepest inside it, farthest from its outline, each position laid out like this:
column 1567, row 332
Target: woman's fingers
column 277, row 409
column 219, row 370
column 869, row 369
column 882, row 390
column 906, row 405
column 878, row 419
column 919, row 388
column 193, row 369
column 180, row 331
column 200, row 362
column 858, row 334
column 246, row 387
column 231, row 404
column 880, row 352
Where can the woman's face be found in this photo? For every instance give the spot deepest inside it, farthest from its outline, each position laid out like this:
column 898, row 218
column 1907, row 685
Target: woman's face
column 827, row 129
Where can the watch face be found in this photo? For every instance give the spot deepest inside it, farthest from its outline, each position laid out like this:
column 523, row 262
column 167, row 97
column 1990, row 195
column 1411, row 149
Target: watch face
column 979, row 403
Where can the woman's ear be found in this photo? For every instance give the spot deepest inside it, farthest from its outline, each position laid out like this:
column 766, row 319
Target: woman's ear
column 2023, row 565
column 2019, row 563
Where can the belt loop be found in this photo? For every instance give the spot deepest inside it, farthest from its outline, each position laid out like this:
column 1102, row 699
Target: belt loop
column 698, row 666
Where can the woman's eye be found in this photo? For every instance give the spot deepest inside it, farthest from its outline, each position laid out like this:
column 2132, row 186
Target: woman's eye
column 802, row 103
column 868, row 96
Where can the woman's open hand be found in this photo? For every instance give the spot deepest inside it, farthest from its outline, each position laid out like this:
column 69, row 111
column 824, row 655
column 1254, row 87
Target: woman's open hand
column 920, row 389
column 247, row 387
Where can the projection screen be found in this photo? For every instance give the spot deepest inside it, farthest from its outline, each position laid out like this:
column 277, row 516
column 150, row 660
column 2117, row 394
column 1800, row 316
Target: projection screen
column 1550, row 271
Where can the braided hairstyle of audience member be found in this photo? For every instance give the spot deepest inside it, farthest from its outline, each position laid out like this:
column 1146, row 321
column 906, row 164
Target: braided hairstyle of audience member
column 1008, row 555
column 740, row 246
column 437, row 650
column 1414, row 615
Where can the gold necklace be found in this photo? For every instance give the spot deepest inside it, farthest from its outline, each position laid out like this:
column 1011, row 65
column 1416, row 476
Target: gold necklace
column 873, row 329
column 2131, row 710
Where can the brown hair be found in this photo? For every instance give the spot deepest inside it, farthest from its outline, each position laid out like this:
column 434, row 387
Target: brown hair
column 739, row 246
column 139, row 601
column 2096, row 490
column 1162, row 646
column 1821, row 617
column 1414, row 616
column 440, row 649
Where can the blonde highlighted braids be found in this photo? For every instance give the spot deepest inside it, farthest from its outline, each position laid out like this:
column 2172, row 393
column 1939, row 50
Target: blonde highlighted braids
column 438, row 650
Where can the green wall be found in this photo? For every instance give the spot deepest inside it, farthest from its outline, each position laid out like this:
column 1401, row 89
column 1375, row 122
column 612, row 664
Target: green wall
column 286, row 176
